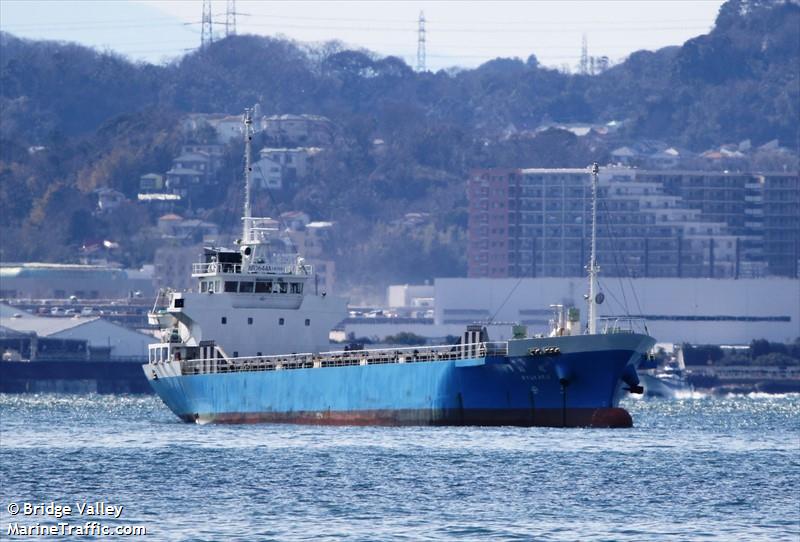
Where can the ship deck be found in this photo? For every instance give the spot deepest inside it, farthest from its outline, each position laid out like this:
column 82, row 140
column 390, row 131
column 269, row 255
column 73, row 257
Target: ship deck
column 344, row 358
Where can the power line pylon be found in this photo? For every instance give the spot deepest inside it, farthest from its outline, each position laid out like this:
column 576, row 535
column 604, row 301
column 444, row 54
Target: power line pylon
column 206, row 31
column 230, row 19
column 421, row 43
column 584, row 65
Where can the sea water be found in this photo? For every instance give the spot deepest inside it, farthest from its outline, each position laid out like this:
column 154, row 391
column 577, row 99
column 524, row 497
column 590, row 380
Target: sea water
column 698, row 468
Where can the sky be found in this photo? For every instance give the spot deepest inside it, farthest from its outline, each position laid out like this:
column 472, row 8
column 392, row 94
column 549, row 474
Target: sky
column 458, row 33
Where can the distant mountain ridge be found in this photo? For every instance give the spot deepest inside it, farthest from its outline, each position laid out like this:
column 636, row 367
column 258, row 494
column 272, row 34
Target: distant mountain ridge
column 739, row 81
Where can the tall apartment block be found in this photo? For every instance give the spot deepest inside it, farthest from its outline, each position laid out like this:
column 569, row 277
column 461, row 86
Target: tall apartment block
column 781, row 219
column 535, row 222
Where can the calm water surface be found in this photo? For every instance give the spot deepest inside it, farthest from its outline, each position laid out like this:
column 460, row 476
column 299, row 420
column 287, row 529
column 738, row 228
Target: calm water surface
column 694, row 469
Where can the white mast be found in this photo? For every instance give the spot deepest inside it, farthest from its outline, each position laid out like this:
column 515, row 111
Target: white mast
column 248, row 168
column 593, row 268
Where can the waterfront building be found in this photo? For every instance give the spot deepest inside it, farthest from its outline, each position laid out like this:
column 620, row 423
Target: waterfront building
column 173, row 264
column 533, row 223
column 693, row 310
column 781, row 219
column 61, row 281
column 103, row 340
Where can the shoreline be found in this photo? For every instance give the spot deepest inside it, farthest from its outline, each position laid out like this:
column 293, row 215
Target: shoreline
column 738, row 379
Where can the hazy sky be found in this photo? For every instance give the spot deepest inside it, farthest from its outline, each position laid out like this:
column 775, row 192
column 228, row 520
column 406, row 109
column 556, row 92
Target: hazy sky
column 458, row 33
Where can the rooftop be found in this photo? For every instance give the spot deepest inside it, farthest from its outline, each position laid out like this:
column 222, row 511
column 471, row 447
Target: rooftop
column 290, row 116
column 309, row 150
column 192, row 156
column 54, row 270
column 158, row 197
column 183, row 171
column 319, row 224
column 24, row 322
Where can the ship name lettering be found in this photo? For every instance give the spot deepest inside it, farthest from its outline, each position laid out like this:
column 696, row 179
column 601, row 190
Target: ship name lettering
column 265, row 268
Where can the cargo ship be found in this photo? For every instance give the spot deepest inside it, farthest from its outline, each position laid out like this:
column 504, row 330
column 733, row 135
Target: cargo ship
column 251, row 344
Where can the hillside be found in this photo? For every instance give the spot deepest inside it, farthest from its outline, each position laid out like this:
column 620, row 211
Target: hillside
column 103, row 121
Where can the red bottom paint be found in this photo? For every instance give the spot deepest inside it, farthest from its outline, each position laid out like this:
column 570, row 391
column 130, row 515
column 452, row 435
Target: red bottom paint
column 553, row 417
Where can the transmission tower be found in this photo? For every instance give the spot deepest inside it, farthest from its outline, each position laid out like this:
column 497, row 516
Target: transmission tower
column 421, row 43
column 230, row 19
column 206, row 32
column 583, row 67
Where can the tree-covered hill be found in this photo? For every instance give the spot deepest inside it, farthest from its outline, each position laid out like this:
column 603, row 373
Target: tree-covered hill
column 739, row 81
column 100, row 120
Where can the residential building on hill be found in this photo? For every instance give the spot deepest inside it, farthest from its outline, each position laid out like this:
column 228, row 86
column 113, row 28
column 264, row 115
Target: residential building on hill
column 151, row 183
column 280, row 166
column 192, row 171
column 314, row 241
column 298, row 129
column 267, row 174
column 109, row 199
column 188, row 230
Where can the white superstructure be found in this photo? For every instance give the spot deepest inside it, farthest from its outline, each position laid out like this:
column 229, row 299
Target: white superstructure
column 256, row 300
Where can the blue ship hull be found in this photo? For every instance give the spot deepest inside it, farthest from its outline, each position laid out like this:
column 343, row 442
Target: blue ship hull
column 575, row 388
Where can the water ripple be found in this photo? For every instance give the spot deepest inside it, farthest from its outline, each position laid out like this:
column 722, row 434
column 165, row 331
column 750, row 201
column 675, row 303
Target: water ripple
column 697, row 468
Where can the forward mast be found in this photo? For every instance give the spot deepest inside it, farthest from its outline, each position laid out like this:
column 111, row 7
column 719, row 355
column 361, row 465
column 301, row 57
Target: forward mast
column 593, row 268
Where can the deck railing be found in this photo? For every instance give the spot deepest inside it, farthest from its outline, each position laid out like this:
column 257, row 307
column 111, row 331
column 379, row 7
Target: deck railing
column 418, row 354
column 622, row 324
column 214, row 267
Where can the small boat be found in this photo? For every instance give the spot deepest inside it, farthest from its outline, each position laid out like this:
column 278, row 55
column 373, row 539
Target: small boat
column 667, row 380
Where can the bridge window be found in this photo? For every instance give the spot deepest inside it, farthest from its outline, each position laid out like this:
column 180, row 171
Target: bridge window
column 203, row 286
column 284, row 287
column 297, row 287
column 250, row 321
column 178, row 303
column 281, row 321
column 230, row 286
column 308, row 321
column 224, row 320
column 261, row 287
column 246, row 287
